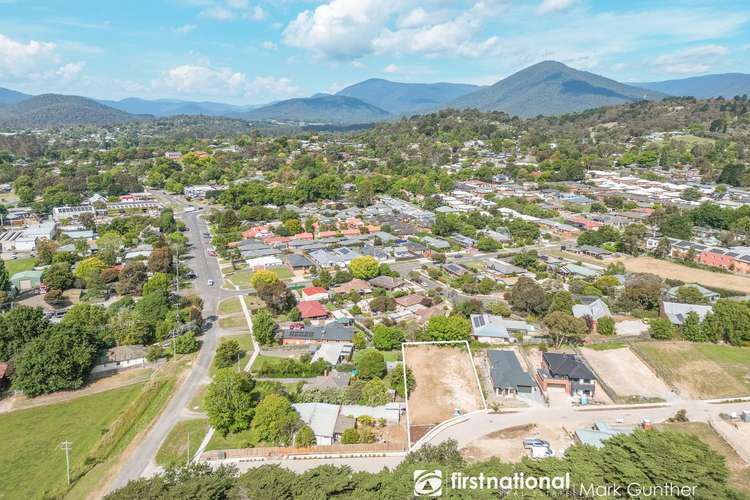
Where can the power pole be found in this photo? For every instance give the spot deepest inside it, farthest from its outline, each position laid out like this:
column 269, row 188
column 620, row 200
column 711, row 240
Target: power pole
column 187, row 453
column 67, row 446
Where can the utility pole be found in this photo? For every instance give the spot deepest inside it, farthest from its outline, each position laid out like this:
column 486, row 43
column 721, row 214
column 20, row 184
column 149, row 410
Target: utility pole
column 67, row 446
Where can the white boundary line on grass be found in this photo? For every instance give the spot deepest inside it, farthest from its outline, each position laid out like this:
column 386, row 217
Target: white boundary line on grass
column 406, row 389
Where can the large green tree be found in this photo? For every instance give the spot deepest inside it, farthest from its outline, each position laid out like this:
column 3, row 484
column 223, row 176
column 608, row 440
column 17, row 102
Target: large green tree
column 275, row 421
column 230, row 401
column 364, row 267
column 370, row 364
column 264, row 327
column 18, row 327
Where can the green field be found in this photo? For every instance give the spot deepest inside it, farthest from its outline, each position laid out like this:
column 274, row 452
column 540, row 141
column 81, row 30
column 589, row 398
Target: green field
column 702, row 370
column 233, row 322
column 246, row 346
column 174, row 450
column 17, row 265
column 230, row 306
column 394, row 355
column 242, row 278
column 694, row 139
column 242, row 439
column 32, row 463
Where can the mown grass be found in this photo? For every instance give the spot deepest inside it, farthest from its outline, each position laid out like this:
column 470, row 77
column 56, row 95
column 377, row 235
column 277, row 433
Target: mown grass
column 230, row 306
column 233, row 322
column 32, row 463
column 174, row 450
column 17, row 265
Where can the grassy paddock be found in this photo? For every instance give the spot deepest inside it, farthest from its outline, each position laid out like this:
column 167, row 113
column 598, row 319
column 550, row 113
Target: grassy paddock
column 174, row 449
column 704, row 370
column 33, row 464
column 17, row 265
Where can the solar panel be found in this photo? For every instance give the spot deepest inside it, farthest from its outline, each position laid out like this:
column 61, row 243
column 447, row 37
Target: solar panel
column 478, row 321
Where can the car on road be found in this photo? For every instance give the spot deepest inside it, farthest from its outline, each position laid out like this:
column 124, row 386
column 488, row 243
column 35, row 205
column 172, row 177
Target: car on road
column 191, row 275
column 212, row 253
column 531, row 442
column 210, row 282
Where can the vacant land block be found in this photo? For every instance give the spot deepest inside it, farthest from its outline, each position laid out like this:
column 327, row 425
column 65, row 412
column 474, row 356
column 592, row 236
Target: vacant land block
column 626, row 374
column 703, row 371
column 670, row 270
column 445, row 382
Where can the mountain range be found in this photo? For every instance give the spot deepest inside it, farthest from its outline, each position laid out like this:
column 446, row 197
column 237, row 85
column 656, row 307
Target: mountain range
column 545, row 88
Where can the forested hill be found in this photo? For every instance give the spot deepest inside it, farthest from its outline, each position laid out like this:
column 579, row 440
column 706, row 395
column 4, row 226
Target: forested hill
column 53, row 110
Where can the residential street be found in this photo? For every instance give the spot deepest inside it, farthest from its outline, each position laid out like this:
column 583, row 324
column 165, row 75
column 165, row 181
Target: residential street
column 206, row 268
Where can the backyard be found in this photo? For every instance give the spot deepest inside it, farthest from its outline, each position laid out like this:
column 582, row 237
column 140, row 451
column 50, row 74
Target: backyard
column 702, row 371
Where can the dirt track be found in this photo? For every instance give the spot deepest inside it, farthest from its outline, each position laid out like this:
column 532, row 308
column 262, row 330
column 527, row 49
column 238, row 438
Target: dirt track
column 687, row 274
column 445, row 380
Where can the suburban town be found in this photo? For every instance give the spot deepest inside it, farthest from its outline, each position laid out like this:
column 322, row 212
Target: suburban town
column 202, row 305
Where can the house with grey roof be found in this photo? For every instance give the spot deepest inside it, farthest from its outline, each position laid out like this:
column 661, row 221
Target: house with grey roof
column 436, row 243
column 708, row 295
column 493, row 329
column 508, row 378
column 591, row 307
column 676, row 312
column 567, row 373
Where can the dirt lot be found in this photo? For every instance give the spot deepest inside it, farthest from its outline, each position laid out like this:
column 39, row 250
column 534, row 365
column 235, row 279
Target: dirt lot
column 703, row 371
column 507, row 444
column 687, row 274
column 445, row 380
column 626, row 374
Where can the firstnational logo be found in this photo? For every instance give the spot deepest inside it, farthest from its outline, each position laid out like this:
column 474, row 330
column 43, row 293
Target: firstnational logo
column 428, row 483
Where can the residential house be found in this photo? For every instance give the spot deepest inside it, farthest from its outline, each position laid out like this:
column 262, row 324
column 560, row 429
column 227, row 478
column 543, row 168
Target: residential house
column 314, row 293
column 120, row 358
column 300, row 334
column 410, row 300
column 26, row 280
column 334, row 353
column 266, row 262
column 325, row 421
column 676, row 312
column 62, row 213
column 493, row 329
column 567, row 373
column 299, row 262
column 591, row 307
column 508, row 378
column 436, row 243
column 355, row 285
column 456, row 269
column 386, row 282
column 312, row 309
column 708, row 295
column 504, row 268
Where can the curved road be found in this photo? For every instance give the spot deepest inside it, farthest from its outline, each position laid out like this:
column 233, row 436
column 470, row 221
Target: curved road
column 206, row 268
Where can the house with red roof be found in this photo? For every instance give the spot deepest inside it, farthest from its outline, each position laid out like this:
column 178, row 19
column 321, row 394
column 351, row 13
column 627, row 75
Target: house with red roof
column 314, row 293
column 312, row 309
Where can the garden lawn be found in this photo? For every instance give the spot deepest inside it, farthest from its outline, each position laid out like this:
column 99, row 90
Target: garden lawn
column 32, row 463
column 17, row 265
column 174, row 449
column 702, row 370
column 230, row 306
column 242, row 439
column 233, row 322
column 263, row 360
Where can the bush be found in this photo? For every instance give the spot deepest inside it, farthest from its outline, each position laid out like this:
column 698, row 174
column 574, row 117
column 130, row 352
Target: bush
column 387, row 338
column 605, row 326
column 54, row 297
column 305, row 437
column 227, row 353
column 186, row 343
column 289, row 367
column 370, row 364
column 350, row 436
column 661, row 329
column 154, row 352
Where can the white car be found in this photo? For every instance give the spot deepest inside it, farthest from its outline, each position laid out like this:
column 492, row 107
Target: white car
column 210, row 282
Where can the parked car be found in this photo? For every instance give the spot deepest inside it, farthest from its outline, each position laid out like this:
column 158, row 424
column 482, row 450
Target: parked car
column 212, row 253
column 531, row 442
column 210, row 282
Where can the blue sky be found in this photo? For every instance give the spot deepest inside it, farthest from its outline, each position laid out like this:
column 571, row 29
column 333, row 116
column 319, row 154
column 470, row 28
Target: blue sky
column 254, row 51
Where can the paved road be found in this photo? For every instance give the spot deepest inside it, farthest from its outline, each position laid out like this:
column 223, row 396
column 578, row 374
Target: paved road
column 206, row 268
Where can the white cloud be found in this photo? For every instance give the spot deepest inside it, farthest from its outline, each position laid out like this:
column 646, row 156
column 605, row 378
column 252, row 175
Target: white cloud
column 35, row 61
column 349, row 29
column 392, row 68
column 548, row 6
column 205, row 80
column 268, row 45
column 230, row 10
column 185, row 28
column 693, row 60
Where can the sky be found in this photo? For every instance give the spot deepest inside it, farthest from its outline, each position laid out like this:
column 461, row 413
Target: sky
column 256, row 51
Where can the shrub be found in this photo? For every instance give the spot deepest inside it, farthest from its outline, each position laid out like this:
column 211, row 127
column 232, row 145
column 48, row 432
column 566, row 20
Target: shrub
column 605, row 326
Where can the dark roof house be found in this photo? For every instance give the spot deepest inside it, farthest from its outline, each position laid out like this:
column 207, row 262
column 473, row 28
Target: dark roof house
column 507, row 374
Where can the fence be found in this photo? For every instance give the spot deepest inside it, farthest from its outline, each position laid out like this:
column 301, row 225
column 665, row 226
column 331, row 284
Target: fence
column 282, row 452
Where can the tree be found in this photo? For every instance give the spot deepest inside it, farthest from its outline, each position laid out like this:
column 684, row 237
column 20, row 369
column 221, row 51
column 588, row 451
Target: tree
column 58, row 277
column 663, row 248
column 276, row 295
column 227, row 353
column 364, row 267
column 304, row 438
column 158, row 283
column 375, row 393
column 268, row 481
column 487, row 244
column 350, row 436
column 230, row 401
column 89, row 319
column 186, row 343
column 397, row 380
column 690, row 295
column 729, row 321
column 45, row 250
column 677, row 225
column 359, row 340
column 59, row 359
column 4, row 278
column 275, row 421
column 88, row 266
column 18, row 327
column 264, row 328
column 132, row 277
column 387, row 338
column 562, row 301
column 564, row 327
column 449, row 328
column 632, row 239
column 605, row 326
column 160, row 260
column 661, row 329
column 642, row 291
column 109, row 245
column 264, row 276
column 528, row 296
column 152, row 307
column 467, row 308
column 369, row 364
column 383, row 304
column 691, row 328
